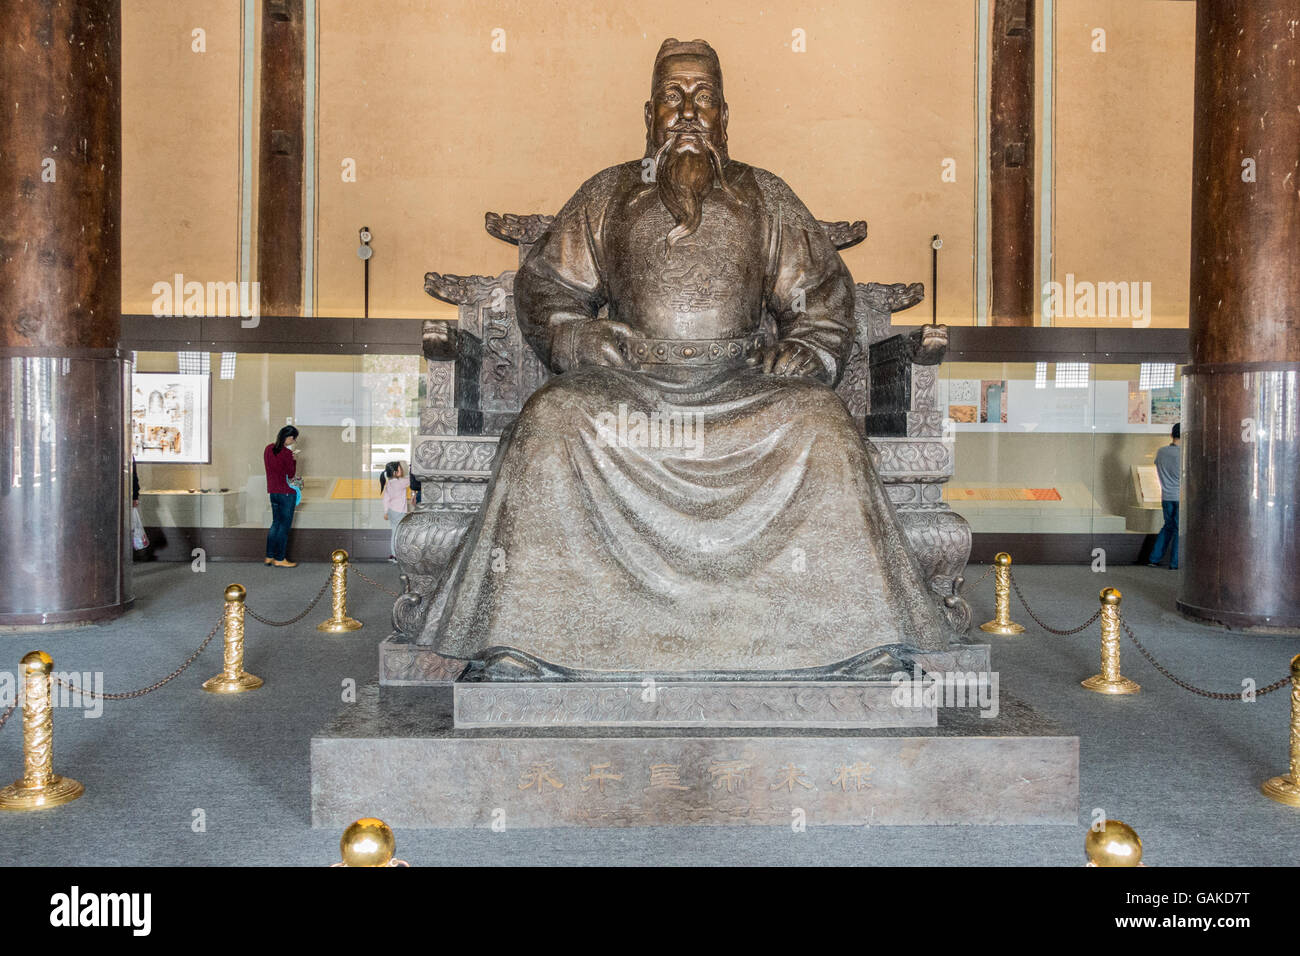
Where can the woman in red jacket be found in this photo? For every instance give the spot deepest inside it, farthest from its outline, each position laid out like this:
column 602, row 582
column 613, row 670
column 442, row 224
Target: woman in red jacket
column 280, row 467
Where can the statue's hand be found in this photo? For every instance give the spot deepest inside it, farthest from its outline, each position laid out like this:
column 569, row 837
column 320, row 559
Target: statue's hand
column 593, row 342
column 792, row 359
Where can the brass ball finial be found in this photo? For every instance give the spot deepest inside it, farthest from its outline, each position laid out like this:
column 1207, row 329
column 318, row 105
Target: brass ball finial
column 339, row 556
column 1110, row 596
column 368, row 842
column 1115, row 844
column 35, row 662
column 1002, row 559
column 236, row 592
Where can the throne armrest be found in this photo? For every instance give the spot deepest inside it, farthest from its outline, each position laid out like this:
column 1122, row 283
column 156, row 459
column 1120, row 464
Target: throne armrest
column 929, row 343
column 439, row 340
column 902, row 385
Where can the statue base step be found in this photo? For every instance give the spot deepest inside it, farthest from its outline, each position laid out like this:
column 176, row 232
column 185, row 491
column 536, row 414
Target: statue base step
column 403, row 663
column 397, row 754
column 722, row 704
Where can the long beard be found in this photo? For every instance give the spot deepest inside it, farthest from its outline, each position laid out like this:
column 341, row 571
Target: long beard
column 684, row 180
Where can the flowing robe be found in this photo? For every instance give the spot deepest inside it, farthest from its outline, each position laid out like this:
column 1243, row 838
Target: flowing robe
column 689, row 517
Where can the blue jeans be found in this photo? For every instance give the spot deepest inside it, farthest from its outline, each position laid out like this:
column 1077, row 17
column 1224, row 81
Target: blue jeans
column 1168, row 536
column 277, row 539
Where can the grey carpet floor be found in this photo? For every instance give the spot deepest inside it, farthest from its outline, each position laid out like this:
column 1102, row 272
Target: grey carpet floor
column 1182, row 770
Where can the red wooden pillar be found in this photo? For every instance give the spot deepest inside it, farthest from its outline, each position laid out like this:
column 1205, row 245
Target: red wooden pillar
column 1241, row 394
column 64, row 465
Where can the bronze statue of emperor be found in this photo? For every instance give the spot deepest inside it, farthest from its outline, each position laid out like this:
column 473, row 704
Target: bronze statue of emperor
column 687, row 496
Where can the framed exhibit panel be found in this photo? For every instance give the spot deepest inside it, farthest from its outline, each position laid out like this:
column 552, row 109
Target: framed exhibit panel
column 171, row 419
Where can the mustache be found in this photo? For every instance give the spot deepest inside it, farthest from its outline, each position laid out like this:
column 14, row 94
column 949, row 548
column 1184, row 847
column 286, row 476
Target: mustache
column 661, row 155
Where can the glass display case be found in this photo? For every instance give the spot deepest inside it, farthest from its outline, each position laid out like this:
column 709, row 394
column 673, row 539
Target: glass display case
column 1058, row 447
column 354, row 414
column 1039, row 447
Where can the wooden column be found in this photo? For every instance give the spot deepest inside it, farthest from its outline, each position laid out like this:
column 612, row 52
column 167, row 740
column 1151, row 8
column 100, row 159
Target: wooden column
column 1011, row 163
column 280, row 157
column 64, row 466
column 1241, row 394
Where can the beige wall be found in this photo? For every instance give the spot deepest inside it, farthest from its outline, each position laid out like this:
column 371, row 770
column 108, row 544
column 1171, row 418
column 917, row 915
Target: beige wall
column 1123, row 143
column 180, row 145
column 443, row 129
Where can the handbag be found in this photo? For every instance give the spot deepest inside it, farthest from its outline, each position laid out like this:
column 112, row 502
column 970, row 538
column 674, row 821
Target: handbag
column 139, row 540
column 296, row 485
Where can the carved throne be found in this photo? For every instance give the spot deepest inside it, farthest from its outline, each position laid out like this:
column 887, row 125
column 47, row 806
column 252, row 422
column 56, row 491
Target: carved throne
column 481, row 371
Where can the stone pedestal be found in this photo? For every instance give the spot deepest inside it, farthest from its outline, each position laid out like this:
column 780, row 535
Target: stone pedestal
column 714, row 704
column 397, row 754
column 404, row 663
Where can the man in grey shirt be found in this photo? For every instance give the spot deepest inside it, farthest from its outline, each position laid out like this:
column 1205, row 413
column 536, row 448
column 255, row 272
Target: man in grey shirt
column 1169, row 462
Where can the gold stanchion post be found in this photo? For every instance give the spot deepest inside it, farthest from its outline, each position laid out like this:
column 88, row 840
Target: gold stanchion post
column 233, row 679
column 1115, row 844
column 1286, row 789
column 1002, row 623
column 40, row 787
column 339, row 621
column 1110, row 680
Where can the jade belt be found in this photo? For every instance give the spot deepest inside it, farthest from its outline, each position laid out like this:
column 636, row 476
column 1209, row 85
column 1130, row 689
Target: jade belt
column 695, row 351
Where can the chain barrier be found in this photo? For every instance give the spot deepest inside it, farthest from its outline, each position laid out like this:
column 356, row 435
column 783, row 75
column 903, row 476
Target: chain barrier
column 372, row 582
column 1213, row 695
column 1047, row 627
column 982, row 578
column 9, row 711
column 1150, row 658
column 295, row 619
column 152, row 687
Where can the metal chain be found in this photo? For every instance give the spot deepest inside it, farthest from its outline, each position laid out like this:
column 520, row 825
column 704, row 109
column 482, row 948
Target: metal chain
column 372, row 582
column 296, row 618
column 152, row 687
column 1213, row 695
column 9, row 712
column 1047, row 627
column 983, row 577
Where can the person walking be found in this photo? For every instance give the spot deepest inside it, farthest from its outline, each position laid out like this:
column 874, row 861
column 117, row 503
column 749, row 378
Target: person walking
column 280, row 467
column 1169, row 464
column 393, row 487
column 139, row 539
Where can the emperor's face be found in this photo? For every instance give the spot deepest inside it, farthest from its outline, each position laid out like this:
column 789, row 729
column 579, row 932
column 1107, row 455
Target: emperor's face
column 686, row 105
